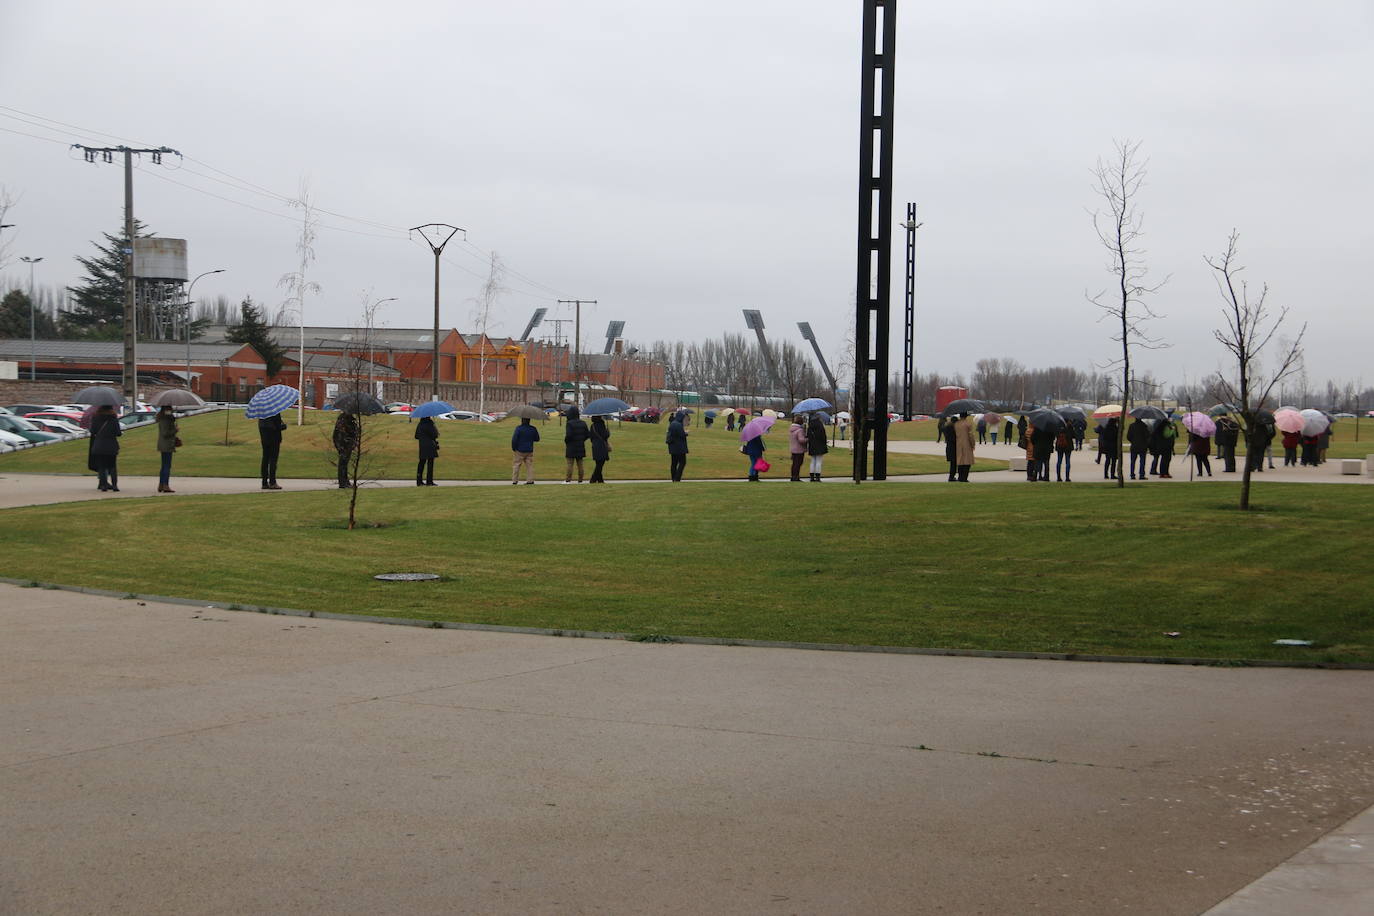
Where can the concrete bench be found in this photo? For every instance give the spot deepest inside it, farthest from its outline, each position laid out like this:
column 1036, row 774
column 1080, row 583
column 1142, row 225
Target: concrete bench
column 1369, row 464
column 1018, row 464
column 1352, row 466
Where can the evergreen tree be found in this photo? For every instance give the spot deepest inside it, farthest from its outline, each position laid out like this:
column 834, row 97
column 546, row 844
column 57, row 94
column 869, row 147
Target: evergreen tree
column 14, row 317
column 98, row 310
column 252, row 330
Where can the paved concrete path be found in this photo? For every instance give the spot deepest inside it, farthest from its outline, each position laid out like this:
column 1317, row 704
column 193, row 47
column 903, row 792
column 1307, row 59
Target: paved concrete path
column 165, row 759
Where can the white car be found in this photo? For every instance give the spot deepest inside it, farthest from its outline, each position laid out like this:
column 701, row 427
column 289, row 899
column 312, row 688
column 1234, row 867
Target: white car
column 10, row 442
column 465, row 415
column 61, row 427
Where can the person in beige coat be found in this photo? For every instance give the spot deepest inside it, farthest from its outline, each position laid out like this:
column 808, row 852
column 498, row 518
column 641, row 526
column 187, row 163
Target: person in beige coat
column 964, row 442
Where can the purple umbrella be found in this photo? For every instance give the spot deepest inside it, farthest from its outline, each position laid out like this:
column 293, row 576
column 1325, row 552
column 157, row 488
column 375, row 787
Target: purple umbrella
column 1199, row 424
column 756, row 427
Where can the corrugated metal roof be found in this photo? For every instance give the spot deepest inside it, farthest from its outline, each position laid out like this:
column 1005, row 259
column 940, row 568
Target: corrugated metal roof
column 343, row 365
column 336, row 337
column 112, row 351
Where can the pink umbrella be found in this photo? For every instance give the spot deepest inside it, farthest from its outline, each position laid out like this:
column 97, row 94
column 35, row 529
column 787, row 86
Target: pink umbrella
column 1289, row 421
column 1199, row 424
column 991, row 419
column 756, row 427
column 1107, row 411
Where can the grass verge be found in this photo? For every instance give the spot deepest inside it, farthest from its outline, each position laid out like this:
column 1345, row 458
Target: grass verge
column 1086, row 569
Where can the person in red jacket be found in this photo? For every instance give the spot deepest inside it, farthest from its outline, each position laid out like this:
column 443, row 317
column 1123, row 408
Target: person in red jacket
column 1290, row 448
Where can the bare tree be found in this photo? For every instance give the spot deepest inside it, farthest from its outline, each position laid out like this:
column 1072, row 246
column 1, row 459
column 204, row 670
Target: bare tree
column 483, row 304
column 1249, row 324
column 297, row 286
column 1118, row 183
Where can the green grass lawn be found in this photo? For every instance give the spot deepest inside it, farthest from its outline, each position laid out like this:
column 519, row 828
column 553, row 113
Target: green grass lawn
column 1087, row 569
column 468, row 451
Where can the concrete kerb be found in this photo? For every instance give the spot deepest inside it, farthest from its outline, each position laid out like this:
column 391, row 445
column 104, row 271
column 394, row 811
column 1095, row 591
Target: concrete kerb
column 695, row 640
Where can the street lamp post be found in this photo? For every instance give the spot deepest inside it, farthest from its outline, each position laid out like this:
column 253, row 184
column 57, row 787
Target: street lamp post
column 371, row 323
column 186, row 319
column 33, row 337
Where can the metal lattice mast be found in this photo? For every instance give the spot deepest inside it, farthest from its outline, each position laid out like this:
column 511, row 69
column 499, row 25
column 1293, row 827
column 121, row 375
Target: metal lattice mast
column 872, row 308
column 909, row 340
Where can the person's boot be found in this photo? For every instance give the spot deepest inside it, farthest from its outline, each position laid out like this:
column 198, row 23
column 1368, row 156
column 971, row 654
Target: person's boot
column 419, row 483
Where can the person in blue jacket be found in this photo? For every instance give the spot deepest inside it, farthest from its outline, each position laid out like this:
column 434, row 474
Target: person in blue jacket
column 522, row 447
column 754, row 448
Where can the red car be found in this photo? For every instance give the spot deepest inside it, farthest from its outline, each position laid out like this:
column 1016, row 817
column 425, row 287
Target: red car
column 55, row 415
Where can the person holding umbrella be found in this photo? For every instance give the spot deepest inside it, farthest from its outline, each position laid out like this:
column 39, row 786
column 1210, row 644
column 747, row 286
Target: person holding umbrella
column 1007, row 428
column 983, row 430
column 1107, row 441
column 522, row 448
column 575, row 436
column 676, row 440
column 347, row 431
column 753, row 447
column 269, row 434
column 1200, row 447
column 796, row 442
column 951, row 448
column 167, row 443
column 1041, row 439
column 104, row 447
column 601, row 447
column 1228, row 435
column 427, row 434
column 1162, row 439
column 816, row 445
column 964, row 445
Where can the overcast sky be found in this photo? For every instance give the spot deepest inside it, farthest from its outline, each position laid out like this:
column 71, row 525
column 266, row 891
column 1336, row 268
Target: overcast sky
column 684, row 159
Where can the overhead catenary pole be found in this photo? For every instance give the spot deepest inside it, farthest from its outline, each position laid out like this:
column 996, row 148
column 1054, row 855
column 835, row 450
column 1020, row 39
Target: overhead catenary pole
column 130, row 373
column 868, row 402
column 438, row 248
column 577, row 345
column 33, row 336
column 909, row 339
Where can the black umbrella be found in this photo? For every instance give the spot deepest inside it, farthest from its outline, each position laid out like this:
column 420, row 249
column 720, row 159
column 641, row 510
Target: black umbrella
column 962, row 405
column 1044, row 418
column 1148, row 412
column 1264, row 417
column 359, row 402
column 98, row 395
column 1075, row 416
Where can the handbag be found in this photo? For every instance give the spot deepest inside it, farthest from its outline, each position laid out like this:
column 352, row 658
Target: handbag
column 177, row 443
column 762, row 466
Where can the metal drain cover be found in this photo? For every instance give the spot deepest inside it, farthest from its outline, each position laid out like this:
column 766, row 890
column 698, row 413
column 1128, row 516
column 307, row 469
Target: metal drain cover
column 406, row 577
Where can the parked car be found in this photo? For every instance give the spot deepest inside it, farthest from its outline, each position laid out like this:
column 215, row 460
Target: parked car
column 70, row 416
column 23, row 410
column 11, row 441
column 60, row 427
column 398, row 407
column 138, row 416
column 25, row 429
column 465, row 415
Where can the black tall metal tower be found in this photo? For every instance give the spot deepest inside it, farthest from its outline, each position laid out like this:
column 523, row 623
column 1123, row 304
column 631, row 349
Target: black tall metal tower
column 909, row 341
column 872, row 318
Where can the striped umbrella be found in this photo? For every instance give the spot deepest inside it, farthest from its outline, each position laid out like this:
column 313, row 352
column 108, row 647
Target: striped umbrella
column 271, row 401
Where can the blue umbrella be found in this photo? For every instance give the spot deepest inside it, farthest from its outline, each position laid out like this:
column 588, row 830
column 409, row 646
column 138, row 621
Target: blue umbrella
column 430, row 409
column 825, row 417
column 271, row 401
column 603, row 406
column 811, row 404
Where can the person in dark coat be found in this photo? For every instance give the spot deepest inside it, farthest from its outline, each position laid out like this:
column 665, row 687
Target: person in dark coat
column 1261, row 434
column 427, row 434
column 575, row 436
column 1228, row 436
column 951, row 449
column 269, row 433
column 816, row 446
column 1042, row 445
column 104, row 447
column 1007, row 428
column 754, row 449
column 982, row 430
column 730, row 423
column 1021, row 442
column 1138, row 436
column 1200, row 447
column 522, row 448
column 1107, row 443
column 601, row 448
column 167, row 443
column 940, row 429
column 1166, row 433
column 676, row 439
column 347, row 435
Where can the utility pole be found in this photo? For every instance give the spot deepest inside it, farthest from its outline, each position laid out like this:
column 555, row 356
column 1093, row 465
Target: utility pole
column 33, row 337
column 130, row 286
column 868, row 403
column 577, row 345
column 909, row 340
column 437, row 229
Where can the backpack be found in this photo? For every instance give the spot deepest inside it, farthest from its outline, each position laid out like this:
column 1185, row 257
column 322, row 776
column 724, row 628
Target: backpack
column 1062, row 441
